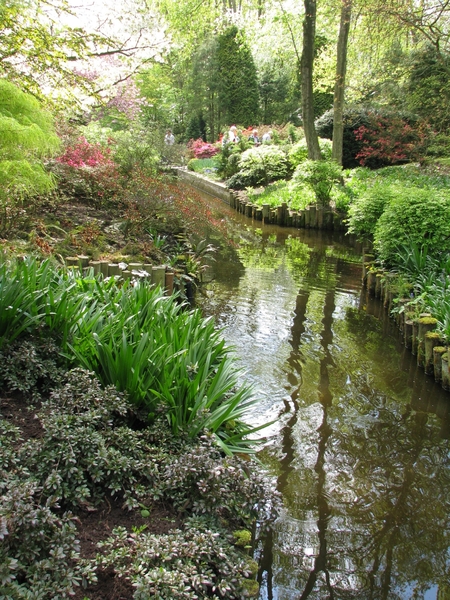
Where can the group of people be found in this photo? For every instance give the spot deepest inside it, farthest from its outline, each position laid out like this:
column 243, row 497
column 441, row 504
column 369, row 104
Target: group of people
column 232, row 137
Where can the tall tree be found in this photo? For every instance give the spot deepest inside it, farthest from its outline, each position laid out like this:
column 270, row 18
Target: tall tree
column 339, row 87
column 238, row 91
column 306, row 72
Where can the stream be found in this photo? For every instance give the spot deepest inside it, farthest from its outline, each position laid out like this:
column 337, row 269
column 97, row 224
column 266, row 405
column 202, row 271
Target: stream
column 359, row 443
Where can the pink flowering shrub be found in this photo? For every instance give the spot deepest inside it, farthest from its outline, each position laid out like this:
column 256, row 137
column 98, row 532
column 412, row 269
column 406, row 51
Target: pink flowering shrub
column 200, row 149
column 87, row 172
column 85, row 154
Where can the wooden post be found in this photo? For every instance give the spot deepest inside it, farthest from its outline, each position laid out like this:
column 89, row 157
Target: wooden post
column 266, row 212
column 280, row 215
column 415, row 337
column 371, row 282
column 445, row 374
column 438, row 351
column 301, row 219
column 169, row 282
column 114, row 270
column 378, row 281
column 320, row 211
column 313, row 216
column 83, row 260
column 159, row 276
column 104, row 267
column 95, row 265
column 136, row 266
column 426, row 324
column 432, row 339
column 408, row 333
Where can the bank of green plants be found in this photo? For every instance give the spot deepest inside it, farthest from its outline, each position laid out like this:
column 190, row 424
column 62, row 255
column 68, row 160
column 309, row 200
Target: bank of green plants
column 281, row 192
column 138, row 402
column 396, row 205
column 162, row 354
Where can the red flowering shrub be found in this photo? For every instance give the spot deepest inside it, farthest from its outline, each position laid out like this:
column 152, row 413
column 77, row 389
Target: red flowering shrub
column 389, row 140
column 200, row 149
column 87, row 172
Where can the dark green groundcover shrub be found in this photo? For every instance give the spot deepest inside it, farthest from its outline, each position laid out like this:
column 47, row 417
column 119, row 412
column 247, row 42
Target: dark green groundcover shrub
column 420, row 216
column 89, row 451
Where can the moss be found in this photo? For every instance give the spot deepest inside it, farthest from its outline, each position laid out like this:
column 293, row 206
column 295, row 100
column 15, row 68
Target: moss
column 252, row 567
column 433, row 335
column 428, row 321
column 439, row 349
column 242, row 538
column 250, row 588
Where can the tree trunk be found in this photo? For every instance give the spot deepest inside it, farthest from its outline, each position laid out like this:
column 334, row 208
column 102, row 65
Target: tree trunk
column 339, row 86
column 306, row 71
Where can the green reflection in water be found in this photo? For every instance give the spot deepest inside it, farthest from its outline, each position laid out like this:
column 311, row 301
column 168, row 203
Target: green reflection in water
column 361, row 453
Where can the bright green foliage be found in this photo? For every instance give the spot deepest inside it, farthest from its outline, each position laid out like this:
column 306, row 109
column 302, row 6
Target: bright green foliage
column 277, row 193
column 260, row 166
column 415, row 216
column 299, row 151
column 26, row 136
column 320, row 176
column 162, row 355
column 238, row 91
column 372, row 191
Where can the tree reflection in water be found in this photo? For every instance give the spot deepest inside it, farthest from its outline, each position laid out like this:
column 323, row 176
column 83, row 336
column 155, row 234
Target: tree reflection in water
column 361, row 454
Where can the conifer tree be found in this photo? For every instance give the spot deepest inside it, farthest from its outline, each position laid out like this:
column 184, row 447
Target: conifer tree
column 238, row 88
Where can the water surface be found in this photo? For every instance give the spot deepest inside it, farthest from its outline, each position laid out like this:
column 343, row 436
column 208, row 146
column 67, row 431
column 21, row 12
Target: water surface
column 360, row 445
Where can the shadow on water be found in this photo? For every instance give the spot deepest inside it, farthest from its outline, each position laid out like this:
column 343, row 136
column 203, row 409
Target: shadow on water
column 360, row 448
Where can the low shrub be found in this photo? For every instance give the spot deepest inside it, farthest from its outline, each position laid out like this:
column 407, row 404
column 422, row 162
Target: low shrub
column 202, row 481
column 87, row 449
column 201, row 149
column 192, row 563
column 260, row 166
column 318, row 175
column 372, row 191
column 87, row 173
column 299, row 151
column 413, row 215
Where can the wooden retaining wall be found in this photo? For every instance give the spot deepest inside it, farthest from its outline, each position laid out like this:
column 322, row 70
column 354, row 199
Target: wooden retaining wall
column 312, row 217
column 154, row 274
column 417, row 331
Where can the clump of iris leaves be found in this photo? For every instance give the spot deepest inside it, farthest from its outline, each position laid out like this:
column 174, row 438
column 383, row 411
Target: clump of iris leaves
column 140, row 401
